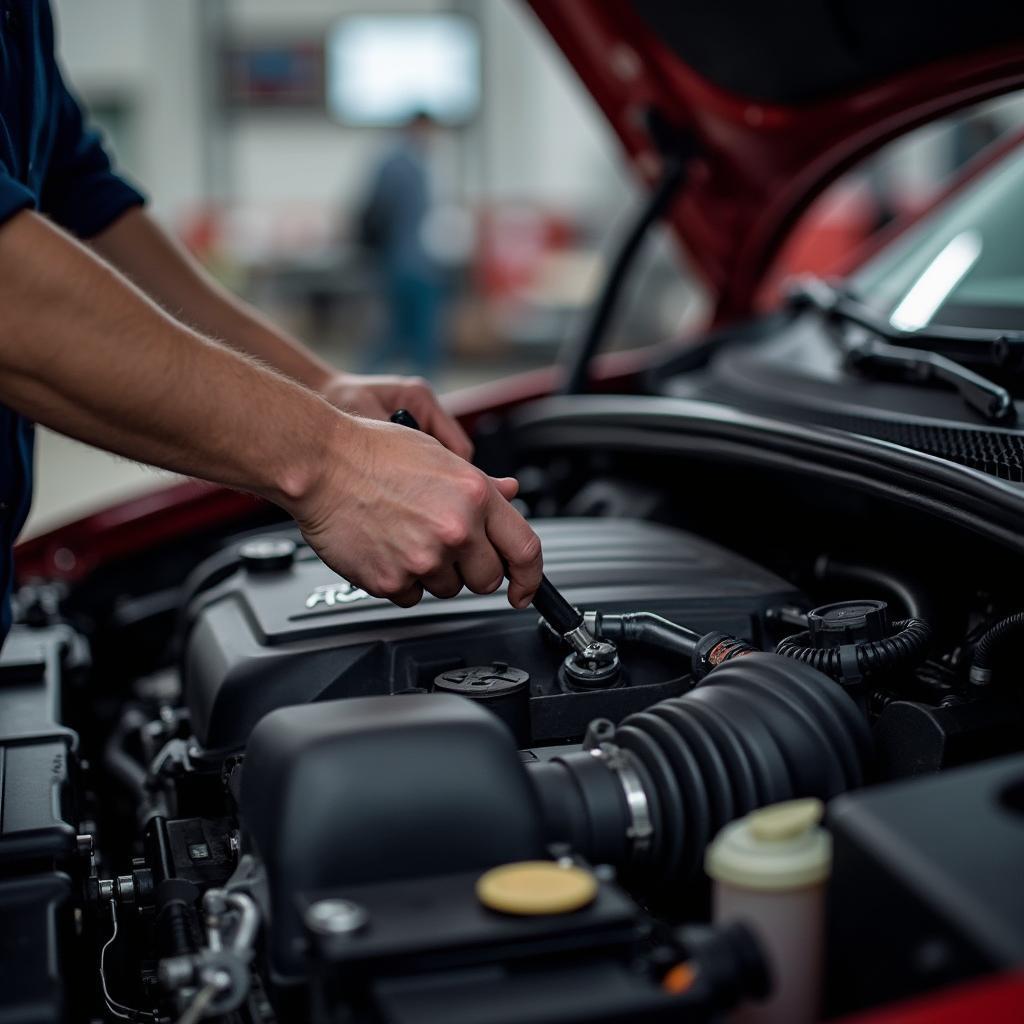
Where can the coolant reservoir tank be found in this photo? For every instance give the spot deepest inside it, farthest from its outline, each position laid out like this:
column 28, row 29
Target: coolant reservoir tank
column 769, row 871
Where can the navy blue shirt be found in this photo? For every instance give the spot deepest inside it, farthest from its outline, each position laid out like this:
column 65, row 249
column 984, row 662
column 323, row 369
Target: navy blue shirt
column 49, row 161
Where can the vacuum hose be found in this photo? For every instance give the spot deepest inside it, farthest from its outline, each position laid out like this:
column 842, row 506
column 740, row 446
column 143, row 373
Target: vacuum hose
column 651, row 793
column 648, row 629
column 986, row 647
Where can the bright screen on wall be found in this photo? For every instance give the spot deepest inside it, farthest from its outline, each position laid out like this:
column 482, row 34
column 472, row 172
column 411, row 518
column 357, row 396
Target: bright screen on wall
column 383, row 68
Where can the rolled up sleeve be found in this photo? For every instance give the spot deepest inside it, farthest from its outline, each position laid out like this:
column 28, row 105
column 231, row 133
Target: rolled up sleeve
column 81, row 192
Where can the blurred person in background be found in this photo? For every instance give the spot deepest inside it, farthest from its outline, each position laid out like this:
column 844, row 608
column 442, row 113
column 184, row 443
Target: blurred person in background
column 392, row 230
column 113, row 334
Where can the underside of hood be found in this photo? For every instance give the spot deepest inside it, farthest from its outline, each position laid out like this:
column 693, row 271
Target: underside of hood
column 776, row 100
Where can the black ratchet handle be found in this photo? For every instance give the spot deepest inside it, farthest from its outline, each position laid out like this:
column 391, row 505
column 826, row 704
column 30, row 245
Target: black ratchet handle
column 555, row 609
column 404, row 418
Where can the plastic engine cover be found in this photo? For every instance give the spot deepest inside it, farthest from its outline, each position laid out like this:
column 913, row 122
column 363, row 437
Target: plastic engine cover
column 291, row 631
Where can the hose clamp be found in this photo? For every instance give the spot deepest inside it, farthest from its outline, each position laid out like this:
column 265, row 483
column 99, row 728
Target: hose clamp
column 641, row 827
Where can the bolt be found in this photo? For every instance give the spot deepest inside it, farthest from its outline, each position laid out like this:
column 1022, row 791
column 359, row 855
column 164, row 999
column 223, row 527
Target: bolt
column 335, row 917
column 84, row 845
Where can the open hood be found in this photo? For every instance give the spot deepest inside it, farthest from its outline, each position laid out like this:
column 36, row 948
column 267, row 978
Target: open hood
column 776, row 100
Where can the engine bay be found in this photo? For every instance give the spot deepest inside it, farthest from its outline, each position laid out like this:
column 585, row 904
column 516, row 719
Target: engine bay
column 286, row 809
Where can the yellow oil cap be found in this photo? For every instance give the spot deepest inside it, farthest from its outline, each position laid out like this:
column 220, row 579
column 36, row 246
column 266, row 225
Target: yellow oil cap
column 536, row 887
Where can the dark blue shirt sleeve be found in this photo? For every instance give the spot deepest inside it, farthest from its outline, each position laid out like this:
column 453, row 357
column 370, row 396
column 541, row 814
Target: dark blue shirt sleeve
column 81, row 192
column 13, row 195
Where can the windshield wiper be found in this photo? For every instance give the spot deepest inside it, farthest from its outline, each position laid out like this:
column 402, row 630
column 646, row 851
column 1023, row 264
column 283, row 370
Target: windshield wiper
column 921, row 356
column 875, row 358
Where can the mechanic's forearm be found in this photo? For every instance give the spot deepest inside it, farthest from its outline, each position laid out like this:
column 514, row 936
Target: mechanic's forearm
column 140, row 248
column 83, row 351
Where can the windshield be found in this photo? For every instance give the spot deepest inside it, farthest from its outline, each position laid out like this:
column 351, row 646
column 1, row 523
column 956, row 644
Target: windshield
column 962, row 266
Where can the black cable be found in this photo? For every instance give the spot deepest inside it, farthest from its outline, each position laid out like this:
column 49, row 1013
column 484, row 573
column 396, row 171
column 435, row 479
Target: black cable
column 987, row 645
column 578, row 363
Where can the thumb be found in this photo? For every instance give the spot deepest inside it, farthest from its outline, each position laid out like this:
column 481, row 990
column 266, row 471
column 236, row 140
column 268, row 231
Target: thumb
column 508, row 486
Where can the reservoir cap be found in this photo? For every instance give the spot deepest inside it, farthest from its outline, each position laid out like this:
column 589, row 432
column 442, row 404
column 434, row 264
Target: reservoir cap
column 778, row 847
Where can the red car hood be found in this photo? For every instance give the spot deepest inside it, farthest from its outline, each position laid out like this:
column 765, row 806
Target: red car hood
column 778, row 99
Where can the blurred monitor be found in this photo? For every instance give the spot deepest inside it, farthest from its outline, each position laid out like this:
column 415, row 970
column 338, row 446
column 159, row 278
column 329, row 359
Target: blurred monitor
column 275, row 74
column 383, row 68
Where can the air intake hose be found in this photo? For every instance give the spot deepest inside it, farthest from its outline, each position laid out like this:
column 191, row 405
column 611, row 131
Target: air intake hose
column 653, row 792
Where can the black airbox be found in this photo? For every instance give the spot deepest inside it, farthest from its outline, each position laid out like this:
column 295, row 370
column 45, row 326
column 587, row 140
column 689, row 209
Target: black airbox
column 379, row 788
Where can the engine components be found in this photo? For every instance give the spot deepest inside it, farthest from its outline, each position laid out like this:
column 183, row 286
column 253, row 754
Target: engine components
column 255, row 640
column 769, row 870
column 938, row 860
column 502, row 689
column 651, row 793
column 852, row 640
column 912, row 738
column 380, row 788
column 987, row 647
column 849, row 641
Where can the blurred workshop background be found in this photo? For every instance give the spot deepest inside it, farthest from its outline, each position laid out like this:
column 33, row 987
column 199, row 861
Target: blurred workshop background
column 259, row 130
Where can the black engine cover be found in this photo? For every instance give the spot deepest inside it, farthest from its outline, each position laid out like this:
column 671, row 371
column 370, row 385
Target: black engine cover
column 259, row 640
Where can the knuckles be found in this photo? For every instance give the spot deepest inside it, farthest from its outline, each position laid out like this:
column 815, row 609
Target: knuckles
column 422, row 563
column 454, row 531
column 476, row 489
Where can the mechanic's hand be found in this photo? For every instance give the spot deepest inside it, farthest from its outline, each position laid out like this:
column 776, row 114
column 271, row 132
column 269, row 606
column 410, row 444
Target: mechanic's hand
column 397, row 514
column 378, row 397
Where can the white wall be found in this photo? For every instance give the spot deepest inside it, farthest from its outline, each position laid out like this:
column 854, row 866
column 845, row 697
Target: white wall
column 539, row 138
column 542, row 137
column 147, row 52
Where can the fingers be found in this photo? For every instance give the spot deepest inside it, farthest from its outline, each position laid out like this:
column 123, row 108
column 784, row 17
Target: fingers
column 408, row 597
column 445, row 583
column 372, row 408
column 419, row 398
column 508, row 486
column 481, row 567
column 358, row 401
column 447, row 430
column 519, row 547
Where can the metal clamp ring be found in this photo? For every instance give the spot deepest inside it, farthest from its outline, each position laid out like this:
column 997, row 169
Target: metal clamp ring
column 641, row 827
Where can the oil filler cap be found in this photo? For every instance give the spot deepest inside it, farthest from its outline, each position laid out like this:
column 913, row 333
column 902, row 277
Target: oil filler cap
column 535, row 887
column 483, row 682
column 268, row 554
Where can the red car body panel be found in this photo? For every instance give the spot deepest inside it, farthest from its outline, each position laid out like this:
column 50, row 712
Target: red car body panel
column 996, row 1000
column 760, row 165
